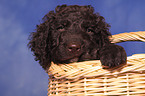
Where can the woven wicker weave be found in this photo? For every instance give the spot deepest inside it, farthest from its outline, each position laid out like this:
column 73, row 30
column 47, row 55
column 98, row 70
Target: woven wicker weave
column 89, row 79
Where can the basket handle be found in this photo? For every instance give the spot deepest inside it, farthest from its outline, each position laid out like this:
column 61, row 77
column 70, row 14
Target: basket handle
column 132, row 36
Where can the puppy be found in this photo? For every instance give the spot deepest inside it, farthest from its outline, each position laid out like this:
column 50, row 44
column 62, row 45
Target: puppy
column 73, row 34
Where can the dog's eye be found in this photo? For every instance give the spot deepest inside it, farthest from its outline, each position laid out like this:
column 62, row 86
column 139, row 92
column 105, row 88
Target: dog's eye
column 61, row 28
column 89, row 30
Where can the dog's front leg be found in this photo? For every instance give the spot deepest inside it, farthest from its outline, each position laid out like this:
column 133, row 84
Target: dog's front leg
column 112, row 55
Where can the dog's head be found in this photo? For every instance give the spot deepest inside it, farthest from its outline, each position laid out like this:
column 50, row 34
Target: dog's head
column 70, row 34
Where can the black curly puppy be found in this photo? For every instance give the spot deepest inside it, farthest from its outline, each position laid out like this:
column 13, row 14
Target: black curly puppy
column 72, row 34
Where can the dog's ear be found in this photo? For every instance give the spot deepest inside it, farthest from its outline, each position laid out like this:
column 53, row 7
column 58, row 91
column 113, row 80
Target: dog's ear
column 40, row 41
column 102, row 29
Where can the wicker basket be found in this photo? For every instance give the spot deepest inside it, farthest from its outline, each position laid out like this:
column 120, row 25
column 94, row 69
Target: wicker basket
column 89, row 79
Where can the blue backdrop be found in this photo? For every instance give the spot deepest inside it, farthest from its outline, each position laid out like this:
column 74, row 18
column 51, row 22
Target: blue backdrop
column 20, row 75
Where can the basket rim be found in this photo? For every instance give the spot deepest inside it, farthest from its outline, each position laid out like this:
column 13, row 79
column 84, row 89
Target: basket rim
column 94, row 68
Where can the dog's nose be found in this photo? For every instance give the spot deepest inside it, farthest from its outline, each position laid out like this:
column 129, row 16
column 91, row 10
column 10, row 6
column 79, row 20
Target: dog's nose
column 74, row 47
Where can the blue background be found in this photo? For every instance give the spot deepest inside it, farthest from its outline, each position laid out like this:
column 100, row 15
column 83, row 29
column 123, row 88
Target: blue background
column 20, row 75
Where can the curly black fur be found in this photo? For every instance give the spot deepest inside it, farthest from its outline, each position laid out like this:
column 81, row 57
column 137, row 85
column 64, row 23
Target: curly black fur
column 72, row 34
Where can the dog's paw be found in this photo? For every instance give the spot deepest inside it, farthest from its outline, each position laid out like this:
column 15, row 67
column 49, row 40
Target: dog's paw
column 112, row 56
